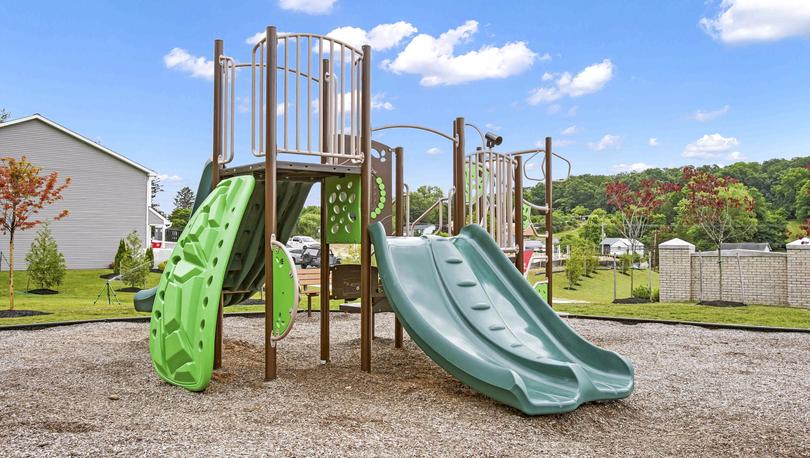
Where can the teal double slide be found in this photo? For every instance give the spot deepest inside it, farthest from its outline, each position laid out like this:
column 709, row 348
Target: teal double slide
column 469, row 309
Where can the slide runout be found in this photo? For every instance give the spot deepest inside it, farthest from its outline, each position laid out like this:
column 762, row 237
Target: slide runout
column 446, row 298
column 531, row 318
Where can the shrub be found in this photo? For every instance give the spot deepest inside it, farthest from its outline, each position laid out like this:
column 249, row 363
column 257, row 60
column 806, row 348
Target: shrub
column 150, row 257
column 643, row 292
column 46, row 265
column 119, row 255
column 162, row 265
column 134, row 265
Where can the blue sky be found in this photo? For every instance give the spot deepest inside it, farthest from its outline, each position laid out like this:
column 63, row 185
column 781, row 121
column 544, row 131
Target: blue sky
column 711, row 82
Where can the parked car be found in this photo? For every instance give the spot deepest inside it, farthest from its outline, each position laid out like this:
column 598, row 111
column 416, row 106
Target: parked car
column 295, row 254
column 301, row 241
column 312, row 257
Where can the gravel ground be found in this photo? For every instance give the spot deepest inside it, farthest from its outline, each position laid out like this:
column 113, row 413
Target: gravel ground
column 90, row 390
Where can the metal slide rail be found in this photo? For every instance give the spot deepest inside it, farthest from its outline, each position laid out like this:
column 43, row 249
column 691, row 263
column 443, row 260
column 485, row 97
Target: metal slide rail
column 318, row 91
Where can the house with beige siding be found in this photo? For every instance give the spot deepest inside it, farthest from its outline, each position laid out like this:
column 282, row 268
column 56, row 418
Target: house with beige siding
column 109, row 196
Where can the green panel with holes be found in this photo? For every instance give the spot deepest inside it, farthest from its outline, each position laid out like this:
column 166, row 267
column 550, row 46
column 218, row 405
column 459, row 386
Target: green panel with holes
column 343, row 204
column 184, row 314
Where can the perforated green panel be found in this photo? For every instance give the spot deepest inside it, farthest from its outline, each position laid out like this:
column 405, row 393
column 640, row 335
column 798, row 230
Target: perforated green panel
column 184, row 313
column 343, row 205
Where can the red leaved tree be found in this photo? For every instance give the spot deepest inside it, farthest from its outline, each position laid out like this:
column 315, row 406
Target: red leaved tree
column 23, row 194
column 636, row 207
column 720, row 206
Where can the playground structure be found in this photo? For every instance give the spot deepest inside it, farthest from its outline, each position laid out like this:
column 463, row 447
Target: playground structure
column 516, row 348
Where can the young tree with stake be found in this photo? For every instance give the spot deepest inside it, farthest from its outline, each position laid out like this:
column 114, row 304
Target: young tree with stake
column 24, row 192
column 636, row 208
column 721, row 207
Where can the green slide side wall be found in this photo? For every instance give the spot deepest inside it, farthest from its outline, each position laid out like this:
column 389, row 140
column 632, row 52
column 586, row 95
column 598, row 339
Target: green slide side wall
column 184, row 313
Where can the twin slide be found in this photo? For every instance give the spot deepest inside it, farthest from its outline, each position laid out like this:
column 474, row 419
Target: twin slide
column 460, row 299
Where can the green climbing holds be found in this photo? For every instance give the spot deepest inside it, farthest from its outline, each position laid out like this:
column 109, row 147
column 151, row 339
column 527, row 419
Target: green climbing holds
column 185, row 309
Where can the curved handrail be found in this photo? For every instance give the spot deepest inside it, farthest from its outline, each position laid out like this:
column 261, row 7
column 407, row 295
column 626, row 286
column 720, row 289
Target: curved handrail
column 440, row 201
column 285, row 36
column 417, row 127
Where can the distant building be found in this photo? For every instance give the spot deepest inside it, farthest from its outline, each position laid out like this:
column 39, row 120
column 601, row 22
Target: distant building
column 752, row 246
column 108, row 198
column 615, row 246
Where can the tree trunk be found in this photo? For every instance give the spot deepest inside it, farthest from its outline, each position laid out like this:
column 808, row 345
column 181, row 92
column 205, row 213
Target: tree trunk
column 720, row 269
column 11, row 272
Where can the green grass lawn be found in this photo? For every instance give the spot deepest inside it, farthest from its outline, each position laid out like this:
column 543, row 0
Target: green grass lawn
column 76, row 296
column 598, row 291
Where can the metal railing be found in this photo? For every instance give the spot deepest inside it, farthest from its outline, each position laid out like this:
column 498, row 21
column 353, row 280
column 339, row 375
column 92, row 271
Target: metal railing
column 318, row 93
column 490, row 194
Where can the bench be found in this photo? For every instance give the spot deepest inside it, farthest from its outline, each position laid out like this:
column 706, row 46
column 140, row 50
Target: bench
column 307, row 278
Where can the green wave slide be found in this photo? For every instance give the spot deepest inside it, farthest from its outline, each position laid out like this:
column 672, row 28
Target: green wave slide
column 466, row 305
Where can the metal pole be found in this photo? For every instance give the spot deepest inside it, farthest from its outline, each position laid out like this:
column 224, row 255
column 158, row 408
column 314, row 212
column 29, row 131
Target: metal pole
column 326, row 133
column 365, row 212
column 400, row 222
column 458, row 176
column 270, row 202
column 217, row 150
column 519, row 261
column 614, row 278
column 740, row 276
column 649, row 267
column 549, row 225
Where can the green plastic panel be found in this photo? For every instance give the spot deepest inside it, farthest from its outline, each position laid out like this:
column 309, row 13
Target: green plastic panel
column 343, row 204
column 285, row 292
column 469, row 309
column 184, row 313
column 527, row 216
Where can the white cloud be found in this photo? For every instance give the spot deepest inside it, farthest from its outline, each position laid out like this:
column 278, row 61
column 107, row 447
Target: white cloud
column 652, row 141
column 607, row 141
column 703, row 116
column 746, row 21
column 256, row 37
column 492, row 127
column 592, row 79
column 553, row 109
column 435, row 60
column 198, row 67
column 381, row 37
column 561, row 143
column 433, row 151
column 307, row 6
column 634, row 167
column 570, row 130
column 735, row 156
column 713, row 146
column 166, row 178
column 378, row 102
column 545, row 57
column 573, row 111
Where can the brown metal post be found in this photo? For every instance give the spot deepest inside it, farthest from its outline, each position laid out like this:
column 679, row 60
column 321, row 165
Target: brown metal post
column 549, row 225
column 270, row 152
column 324, row 292
column 519, row 261
column 365, row 212
column 458, row 176
column 217, row 150
column 399, row 229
